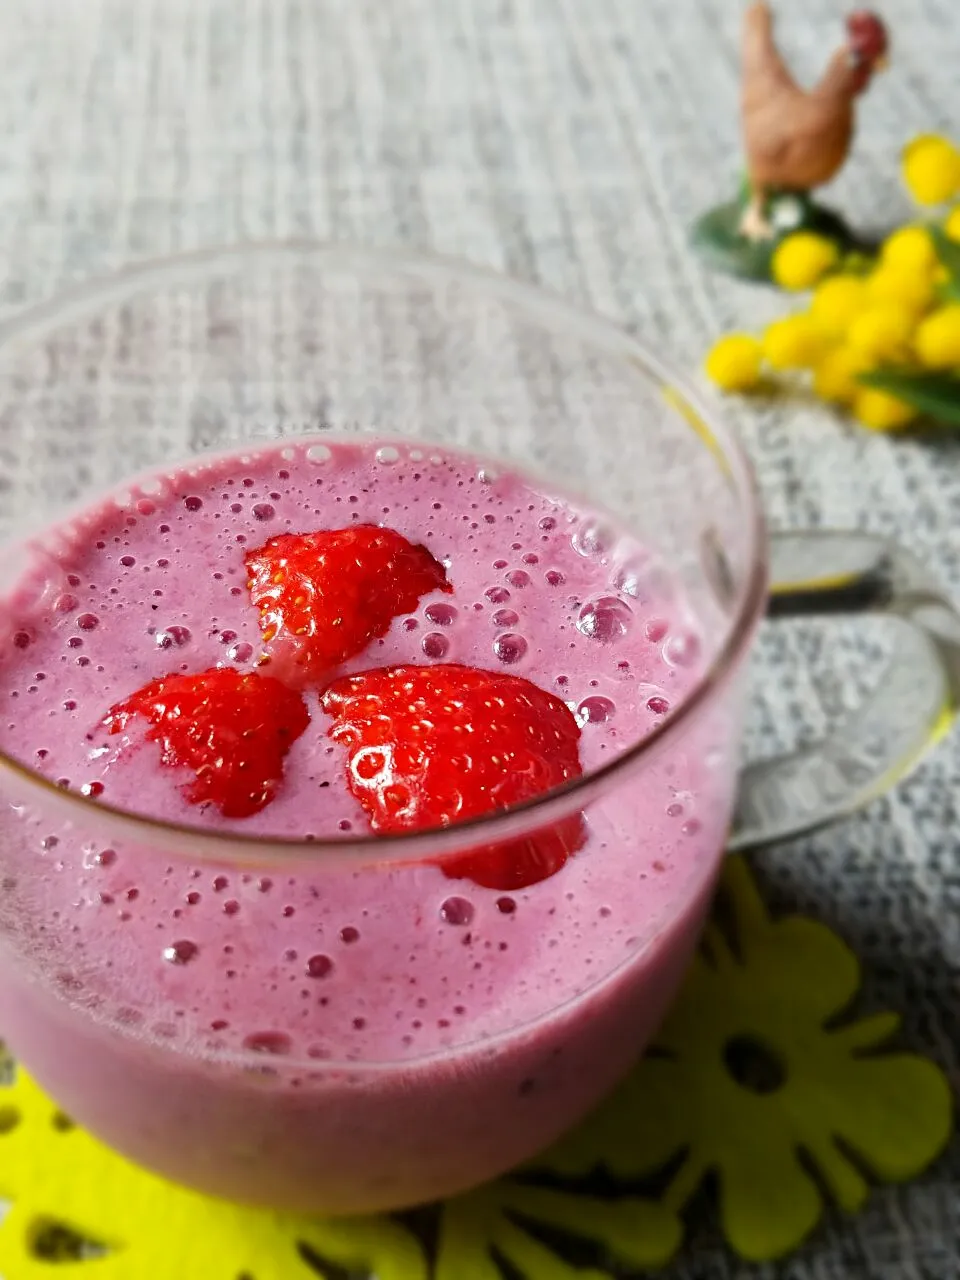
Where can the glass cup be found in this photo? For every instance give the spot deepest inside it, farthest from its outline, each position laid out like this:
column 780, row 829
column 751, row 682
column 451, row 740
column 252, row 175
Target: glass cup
column 303, row 343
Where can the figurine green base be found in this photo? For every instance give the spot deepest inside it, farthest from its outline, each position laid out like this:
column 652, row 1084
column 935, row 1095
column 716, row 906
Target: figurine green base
column 717, row 238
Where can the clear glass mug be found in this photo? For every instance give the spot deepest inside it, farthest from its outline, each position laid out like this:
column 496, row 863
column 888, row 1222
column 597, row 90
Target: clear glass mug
column 250, row 345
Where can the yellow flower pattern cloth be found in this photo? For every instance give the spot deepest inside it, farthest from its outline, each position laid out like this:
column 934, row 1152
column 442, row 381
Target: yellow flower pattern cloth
column 755, row 1076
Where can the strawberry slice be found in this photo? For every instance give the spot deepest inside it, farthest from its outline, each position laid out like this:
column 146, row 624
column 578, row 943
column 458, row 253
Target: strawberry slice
column 231, row 730
column 429, row 746
column 324, row 596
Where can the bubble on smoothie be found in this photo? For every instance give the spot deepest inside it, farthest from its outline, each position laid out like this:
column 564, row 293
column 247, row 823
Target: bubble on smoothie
column 319, row 966
column 319, row 453
column 596, row 710
column 681, row 650
column 263, row 511
column 606, row 619
column 240, row 652
column 592, row 538
column 510, row 647
column 193, row 502
column 497, row 595
column 658, row 705
column 388, row 455
column 456, row 911
column 519, row 578
column 434, row 645
column 506, row 905
column 641, row 578
column 440, row 614
column 174, row 637
column 488, row 475
column 349, row 934
column 277, row 1043
column 655, row 629
column 181, row 952
column 88, row 622
column 506, row 618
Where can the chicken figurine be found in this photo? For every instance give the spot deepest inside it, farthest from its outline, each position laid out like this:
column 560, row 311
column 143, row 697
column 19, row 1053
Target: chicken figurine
column 794, row 139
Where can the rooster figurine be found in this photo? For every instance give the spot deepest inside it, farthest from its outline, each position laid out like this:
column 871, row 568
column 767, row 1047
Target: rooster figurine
column 795, row 140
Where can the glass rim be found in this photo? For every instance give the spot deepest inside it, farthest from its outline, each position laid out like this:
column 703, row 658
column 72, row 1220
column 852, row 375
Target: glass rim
column 85, row 300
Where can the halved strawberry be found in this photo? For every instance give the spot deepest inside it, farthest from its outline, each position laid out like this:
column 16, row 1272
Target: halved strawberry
column 324, row 596
column 429, row 746
column 231, row 730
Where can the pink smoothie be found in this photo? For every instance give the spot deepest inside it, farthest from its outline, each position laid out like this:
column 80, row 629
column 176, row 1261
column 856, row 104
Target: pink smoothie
column 326, row 1036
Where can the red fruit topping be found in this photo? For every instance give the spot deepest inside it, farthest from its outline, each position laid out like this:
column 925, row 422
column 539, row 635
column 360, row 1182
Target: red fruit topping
column 231, row 730
column 434, row 745
column 324, row 596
